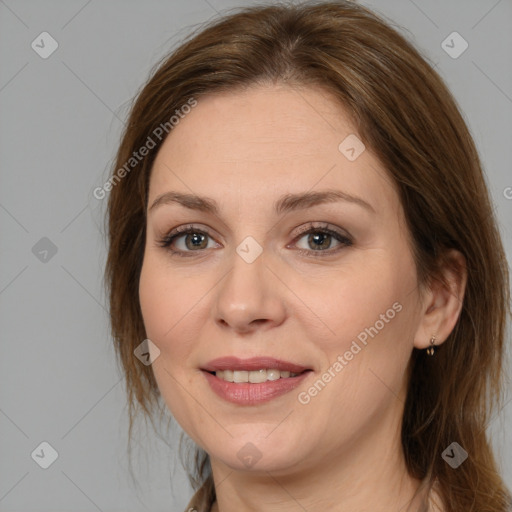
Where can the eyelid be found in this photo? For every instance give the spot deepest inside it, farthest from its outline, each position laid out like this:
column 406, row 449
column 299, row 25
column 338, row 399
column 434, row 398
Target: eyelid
column 318, row 225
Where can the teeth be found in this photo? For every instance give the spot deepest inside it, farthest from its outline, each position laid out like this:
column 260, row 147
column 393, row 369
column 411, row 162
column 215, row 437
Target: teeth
column 241, row 376
column 254, row 377
column 228, row 375
column 258, row 376
column 273, row 374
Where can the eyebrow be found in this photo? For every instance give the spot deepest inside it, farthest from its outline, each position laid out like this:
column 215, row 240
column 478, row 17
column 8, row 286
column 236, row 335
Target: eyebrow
column 286, row 203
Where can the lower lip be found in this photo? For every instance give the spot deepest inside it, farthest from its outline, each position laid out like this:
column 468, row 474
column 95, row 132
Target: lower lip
column 246, row 393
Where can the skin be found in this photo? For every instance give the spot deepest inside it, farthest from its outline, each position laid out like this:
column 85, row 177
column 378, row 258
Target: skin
column 342, row 450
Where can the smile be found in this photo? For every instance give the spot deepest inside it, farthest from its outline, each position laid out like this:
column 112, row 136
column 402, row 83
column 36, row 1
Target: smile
column 253, row 381
column 253, row 376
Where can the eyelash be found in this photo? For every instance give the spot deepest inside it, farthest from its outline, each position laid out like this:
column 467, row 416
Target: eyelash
column 166, row 241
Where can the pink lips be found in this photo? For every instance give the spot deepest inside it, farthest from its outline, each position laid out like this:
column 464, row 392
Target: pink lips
column 254, row 363
column 249, row 393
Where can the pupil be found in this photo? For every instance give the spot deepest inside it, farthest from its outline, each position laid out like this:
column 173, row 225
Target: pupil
column 196, row 237
column 320, row 237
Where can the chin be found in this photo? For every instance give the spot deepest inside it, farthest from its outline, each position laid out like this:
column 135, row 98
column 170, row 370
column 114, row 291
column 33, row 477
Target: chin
column 258, row 454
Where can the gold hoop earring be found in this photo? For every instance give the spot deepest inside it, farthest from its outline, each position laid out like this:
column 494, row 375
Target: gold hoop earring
column 430, row 350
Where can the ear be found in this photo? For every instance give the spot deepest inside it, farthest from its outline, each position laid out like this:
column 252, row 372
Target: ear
column 442, row 301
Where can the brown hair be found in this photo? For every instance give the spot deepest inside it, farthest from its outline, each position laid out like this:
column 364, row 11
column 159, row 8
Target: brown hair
column 405, row 113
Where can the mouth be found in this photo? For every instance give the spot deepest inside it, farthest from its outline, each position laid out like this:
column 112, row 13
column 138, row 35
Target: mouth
column 254, row 376
column 256, row 364
column 255, row 380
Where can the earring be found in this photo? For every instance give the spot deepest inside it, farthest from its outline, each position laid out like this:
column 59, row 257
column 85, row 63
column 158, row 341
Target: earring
column 430, row 350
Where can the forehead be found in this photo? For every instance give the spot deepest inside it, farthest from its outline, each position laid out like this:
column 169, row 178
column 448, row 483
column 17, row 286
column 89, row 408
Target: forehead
column 280, row 135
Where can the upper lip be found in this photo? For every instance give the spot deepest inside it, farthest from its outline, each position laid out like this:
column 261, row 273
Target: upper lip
column 253, row 363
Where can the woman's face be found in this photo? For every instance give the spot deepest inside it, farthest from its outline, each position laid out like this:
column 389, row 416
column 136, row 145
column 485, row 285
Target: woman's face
column 281, row 278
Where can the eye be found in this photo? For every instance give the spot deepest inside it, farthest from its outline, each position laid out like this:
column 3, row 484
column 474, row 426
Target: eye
column 185, row 240
column 319, row 240
column 193, row 240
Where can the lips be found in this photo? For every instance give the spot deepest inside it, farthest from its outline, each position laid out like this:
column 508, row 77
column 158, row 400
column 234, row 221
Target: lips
column 253, row 392
column 253, row 363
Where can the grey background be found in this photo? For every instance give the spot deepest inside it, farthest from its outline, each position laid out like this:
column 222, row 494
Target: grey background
column 61, row 119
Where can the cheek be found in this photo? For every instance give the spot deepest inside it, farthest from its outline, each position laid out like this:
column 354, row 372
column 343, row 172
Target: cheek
column 165, row 302
column 175, row 309
column 154, row 302
column 365, row 361
column 362, row 299
column 367, row 327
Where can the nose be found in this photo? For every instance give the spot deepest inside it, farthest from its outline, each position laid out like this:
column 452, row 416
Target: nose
column 250, row 297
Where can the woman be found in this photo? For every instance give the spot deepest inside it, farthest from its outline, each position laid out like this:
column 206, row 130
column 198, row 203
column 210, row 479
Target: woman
column 301, row 233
